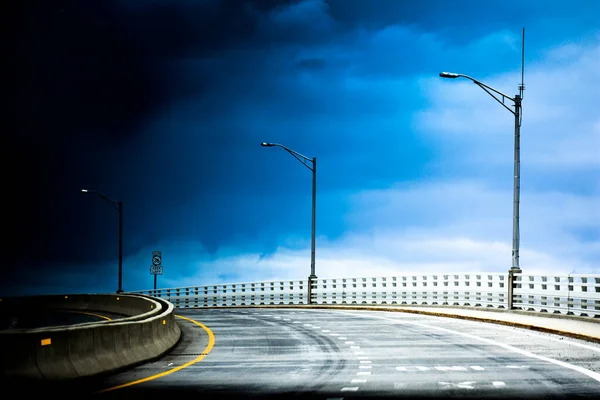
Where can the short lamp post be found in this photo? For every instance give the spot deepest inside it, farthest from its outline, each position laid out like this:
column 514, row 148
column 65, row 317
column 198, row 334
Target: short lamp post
column 117, row 205
column 313, row 167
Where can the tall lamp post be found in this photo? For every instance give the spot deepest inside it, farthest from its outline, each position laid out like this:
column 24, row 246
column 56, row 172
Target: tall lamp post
column 305, row 161
column 500, row 98
column 117, row 205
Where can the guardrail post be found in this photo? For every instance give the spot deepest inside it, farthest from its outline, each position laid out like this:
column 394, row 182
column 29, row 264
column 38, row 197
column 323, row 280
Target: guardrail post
column 311, row 282
column 511, row 286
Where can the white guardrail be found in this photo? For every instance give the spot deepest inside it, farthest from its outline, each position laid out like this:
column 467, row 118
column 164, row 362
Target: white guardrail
column 575, row 294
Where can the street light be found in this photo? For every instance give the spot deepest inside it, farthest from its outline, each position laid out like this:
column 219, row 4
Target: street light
column 117, row 205
column 305, row 160
column 517, row 154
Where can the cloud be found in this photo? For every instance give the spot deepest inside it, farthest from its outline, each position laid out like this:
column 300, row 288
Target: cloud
column 465, row 227
column 414, row 171
column 560, row 126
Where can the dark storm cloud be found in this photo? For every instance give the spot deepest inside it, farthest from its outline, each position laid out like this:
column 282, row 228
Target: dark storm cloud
column 90, row 75
column 463, row 21
column 81, row 88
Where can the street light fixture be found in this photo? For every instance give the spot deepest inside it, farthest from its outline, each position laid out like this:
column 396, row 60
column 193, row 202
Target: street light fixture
column 117, row 205
column 305, row 161
column 500, row 98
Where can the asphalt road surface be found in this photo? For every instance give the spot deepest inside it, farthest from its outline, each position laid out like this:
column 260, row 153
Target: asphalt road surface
column 329, row 354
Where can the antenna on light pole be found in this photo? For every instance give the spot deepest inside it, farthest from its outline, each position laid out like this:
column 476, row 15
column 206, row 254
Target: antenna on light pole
column 522, row 85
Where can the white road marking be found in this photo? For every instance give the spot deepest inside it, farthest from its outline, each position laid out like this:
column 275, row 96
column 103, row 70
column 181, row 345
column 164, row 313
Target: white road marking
column 477, row 368
column 325, row 330
column 355, row 347
column 362, row 358
column 350, row 389
column 498, row 384
column 417, row 367
column 517, row 366
column 287, row 319
column 591, row 374
column 333, row 334
column 462, row 385
column 452, row 368
column 363, row 373
column 342, row 338
column 365, row 362
column 358, row 381
column 169, row 364
column 316, row 327
column 348, row 342
column 307, row 325
column 359, row 352
column 365, row 366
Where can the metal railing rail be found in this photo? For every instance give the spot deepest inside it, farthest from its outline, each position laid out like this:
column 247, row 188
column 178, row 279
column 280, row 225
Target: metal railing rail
column 574, row 294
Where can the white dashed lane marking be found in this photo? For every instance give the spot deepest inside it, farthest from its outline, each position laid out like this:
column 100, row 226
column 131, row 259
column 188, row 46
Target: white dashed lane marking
column 455, row 368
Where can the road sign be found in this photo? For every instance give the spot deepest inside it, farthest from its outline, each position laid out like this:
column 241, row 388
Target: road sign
column 157, row 257
column 156, row 270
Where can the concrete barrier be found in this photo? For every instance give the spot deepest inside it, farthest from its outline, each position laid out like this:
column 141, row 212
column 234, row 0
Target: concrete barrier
column 84, row 350
column 121, row 305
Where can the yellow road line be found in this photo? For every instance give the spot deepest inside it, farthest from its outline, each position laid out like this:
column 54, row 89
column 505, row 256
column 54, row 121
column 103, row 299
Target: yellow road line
column 211, row 343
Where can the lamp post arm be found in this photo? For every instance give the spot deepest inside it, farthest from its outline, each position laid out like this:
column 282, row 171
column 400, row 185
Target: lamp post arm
column 483, row 85
column 115, row 204
column 302, row 158
column 488, row 89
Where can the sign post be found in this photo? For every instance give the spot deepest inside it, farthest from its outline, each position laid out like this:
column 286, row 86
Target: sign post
column 156, row 268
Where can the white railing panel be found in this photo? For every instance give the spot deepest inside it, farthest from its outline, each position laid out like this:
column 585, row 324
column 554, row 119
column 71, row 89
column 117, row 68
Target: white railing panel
column 575, row 294
column 485, row 290
column 567, row 294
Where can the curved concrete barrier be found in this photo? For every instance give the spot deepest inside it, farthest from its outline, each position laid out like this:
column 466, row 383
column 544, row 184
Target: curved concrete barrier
column 84, row 350
column 122, row 305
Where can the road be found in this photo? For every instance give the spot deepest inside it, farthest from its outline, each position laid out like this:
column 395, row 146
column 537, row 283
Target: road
column 331, row 354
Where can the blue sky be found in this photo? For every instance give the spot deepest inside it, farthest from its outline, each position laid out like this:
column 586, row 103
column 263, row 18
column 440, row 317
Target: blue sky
column 414, row 171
